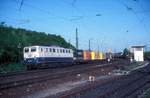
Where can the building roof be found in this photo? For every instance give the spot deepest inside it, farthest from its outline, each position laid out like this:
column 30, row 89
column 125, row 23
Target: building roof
column 137, row 46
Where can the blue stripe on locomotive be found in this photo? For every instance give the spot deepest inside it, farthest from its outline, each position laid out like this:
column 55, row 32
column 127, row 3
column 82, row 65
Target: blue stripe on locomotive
column 42, row 60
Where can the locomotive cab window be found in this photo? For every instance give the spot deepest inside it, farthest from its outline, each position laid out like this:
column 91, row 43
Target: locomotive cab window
column 26, row 50
column 33, row 49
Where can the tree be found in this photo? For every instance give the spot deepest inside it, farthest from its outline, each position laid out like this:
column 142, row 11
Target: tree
column 125, row 53
column 2, row 23
column 14, row 39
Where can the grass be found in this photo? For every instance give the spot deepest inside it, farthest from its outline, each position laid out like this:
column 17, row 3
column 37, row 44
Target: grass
column 148, row 96
column 14, row 67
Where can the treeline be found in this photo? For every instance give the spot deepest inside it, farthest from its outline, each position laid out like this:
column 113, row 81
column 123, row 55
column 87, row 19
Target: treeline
column 147, row 55
column 12, row 41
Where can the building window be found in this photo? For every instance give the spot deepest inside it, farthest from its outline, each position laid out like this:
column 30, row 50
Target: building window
column 138, row 49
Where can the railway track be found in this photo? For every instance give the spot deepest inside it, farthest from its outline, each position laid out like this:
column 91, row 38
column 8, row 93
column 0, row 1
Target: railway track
column 43, row 70
column 30, row 77
column 129, row 86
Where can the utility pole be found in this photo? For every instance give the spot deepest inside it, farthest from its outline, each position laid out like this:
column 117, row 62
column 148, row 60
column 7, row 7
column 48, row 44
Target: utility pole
column 69, row 43
column 146, row 46
column 19, row 48
column 77, row 39
column 89, row 45
column 98, row 48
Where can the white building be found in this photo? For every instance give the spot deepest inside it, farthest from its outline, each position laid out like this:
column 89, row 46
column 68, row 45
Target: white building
column 138, row 53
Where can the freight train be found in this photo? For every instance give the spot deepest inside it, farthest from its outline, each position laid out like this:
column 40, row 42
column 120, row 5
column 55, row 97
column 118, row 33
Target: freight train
column 55, row 56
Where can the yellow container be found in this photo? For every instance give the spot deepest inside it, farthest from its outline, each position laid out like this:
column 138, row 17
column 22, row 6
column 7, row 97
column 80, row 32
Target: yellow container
column 84, row 55
column 100, row 55
column 92, row 55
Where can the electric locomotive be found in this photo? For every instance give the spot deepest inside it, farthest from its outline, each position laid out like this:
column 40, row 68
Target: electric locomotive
column 47, row 56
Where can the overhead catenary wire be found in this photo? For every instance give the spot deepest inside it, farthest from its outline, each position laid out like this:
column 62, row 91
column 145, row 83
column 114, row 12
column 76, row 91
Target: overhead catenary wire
column 18, row 21
column 12, row 20
column 73, row 2
column 20, row 12
column 74, row 6
column 74, row 18
column 42, row 10
column 135, row 13
column 21, row 4
column 143, row 11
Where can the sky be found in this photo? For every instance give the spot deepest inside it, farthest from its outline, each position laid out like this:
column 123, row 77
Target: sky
column 108, row 24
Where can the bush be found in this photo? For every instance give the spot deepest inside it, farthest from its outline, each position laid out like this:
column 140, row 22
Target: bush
column 14, row 67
